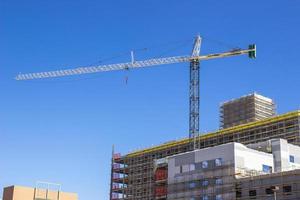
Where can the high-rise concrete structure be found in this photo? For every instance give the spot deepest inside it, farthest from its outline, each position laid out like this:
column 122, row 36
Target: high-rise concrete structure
column 28, row 193
column 250, row 108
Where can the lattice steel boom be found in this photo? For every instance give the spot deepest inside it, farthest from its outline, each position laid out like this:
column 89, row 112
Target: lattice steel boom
column 194, row 60
column 194, row 97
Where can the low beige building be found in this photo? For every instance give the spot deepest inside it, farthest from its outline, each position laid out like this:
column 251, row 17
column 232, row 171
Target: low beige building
column 27, row 193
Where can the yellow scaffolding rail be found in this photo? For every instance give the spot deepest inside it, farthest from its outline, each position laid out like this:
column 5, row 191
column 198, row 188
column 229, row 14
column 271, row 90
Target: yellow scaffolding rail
column 216, row 133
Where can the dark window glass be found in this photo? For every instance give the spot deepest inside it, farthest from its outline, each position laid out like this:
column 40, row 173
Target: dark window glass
column 269, row 191
column 238, row 193
column 287, row 188
column 292, row 159
column 252, row 193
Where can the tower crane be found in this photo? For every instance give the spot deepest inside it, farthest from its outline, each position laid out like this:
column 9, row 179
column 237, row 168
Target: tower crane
column 194, row 60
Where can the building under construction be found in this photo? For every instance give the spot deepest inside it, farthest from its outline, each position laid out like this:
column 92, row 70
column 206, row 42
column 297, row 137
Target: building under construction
column 249, row 108
column 139, row 175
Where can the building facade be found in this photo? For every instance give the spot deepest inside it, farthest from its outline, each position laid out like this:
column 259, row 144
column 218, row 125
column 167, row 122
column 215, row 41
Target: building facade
column 250, row 108
column 218, row 172
column 286, row 156
column 28, row 193
column 210, row 173
column 280, row 185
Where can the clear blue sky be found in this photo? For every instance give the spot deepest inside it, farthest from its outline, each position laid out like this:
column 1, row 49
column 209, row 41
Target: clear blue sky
column 62, row 130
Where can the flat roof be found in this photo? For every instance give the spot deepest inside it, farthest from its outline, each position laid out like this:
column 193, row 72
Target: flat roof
column 255, row 94
column 235, row 144
column 218, row 132
column 32, row 188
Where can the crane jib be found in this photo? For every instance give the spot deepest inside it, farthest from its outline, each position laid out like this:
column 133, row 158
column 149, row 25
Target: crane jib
column 128, row 65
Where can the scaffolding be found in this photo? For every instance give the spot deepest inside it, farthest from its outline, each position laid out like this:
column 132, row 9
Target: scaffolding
column 161, row 179
column 249, row 108
column 119, row 177
column 136, row 170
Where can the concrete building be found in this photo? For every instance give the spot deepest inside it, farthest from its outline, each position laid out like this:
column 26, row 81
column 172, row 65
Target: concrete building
column 250, row 108
column 286, row 156
column 215, row 172
column 28, row 193
column 210, row 173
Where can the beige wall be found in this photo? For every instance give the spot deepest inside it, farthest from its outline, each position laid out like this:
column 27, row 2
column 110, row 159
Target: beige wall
column 26, row 193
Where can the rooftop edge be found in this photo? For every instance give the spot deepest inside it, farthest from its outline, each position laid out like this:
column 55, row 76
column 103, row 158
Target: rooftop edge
column 218, row 132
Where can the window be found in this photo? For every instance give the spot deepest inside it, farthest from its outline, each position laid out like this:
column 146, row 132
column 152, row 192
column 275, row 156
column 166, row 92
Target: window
column 238, row 193
column 192, row 167
column 180, row 170
column 219, row 197
column 292, row 159
column 270, row 190
column 287, row 189
column 205, row 197
column 252, row 193
column 219, row 181
column 218, row 162
column 204, row 164
column 205, row 183
column 267, row 169
column 192, row 185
